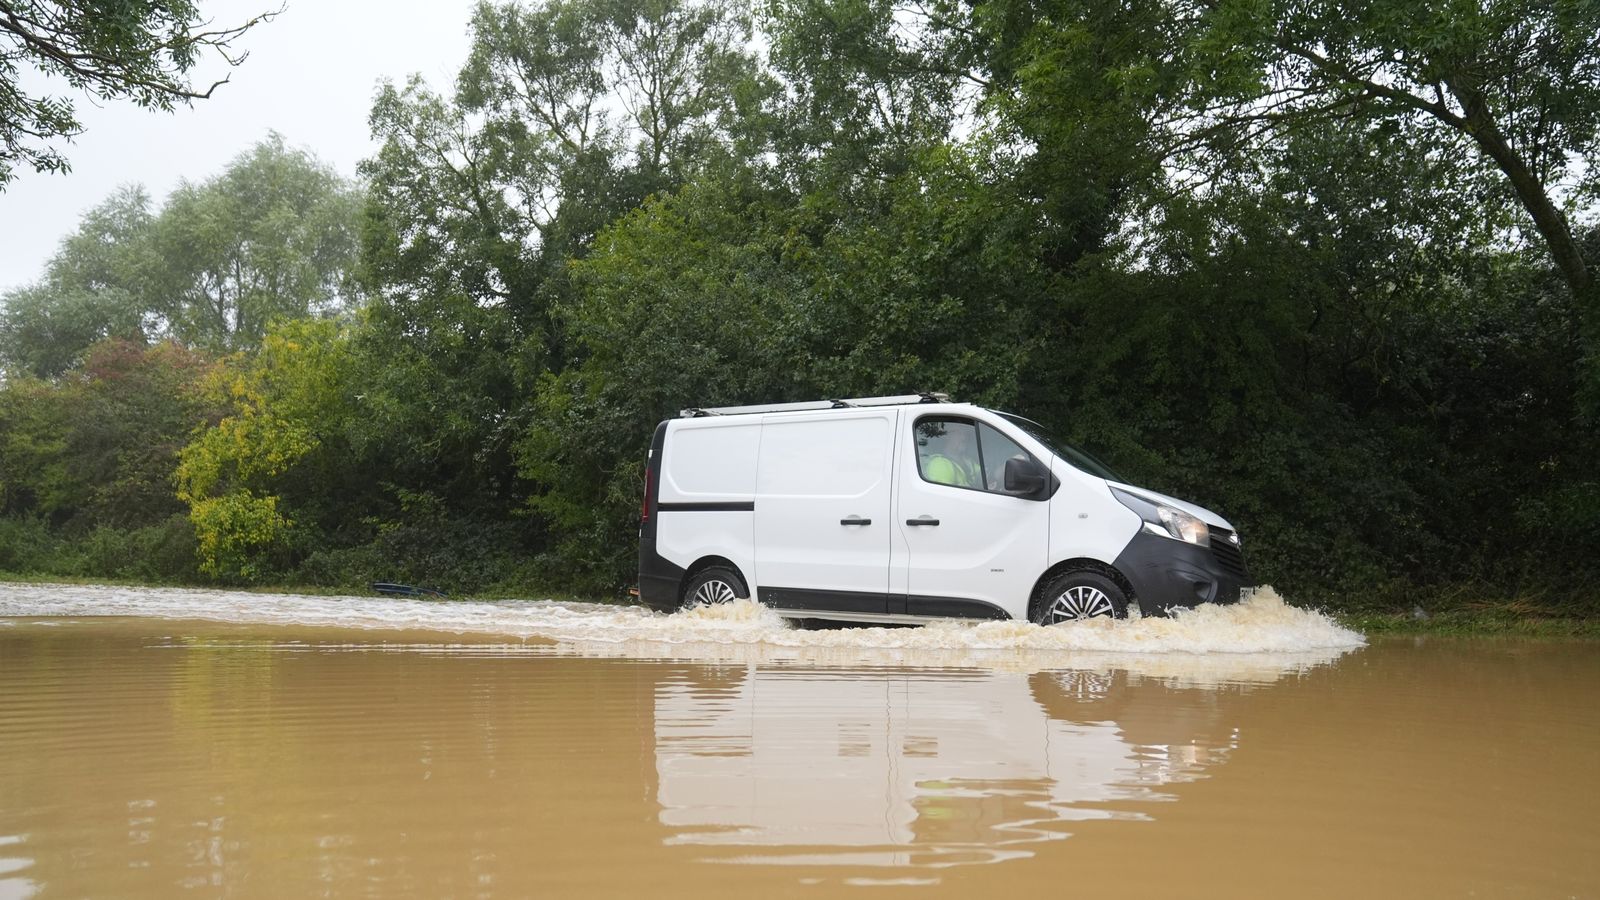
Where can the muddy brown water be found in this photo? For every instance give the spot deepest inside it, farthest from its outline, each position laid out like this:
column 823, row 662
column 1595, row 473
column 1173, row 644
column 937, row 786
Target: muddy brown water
column 230, row 745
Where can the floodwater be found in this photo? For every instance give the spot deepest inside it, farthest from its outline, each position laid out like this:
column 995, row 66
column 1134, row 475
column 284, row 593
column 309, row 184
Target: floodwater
column 162, row 743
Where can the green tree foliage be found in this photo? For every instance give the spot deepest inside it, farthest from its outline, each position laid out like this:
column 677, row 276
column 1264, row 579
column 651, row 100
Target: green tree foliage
column 141, row 51
column 1507, row 92
column 871, row 85
column 86, row 464
column 134, row 410
column 94, row 288
column 1519, row 81
column 272, row 237
column 98, row 447
column 564, row 117
column 33, row 429
column 1270, row 257
column 287, row 410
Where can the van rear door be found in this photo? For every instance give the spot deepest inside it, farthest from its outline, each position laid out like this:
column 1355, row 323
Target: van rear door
column 822, row 525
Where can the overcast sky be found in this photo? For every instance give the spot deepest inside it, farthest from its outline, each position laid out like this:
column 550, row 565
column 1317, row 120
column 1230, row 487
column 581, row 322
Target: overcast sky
column 311, row 76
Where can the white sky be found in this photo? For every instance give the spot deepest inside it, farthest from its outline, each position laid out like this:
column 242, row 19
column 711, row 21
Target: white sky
column 311, row 76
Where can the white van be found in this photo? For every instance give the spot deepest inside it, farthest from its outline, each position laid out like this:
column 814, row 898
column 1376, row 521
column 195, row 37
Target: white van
column 902, row 509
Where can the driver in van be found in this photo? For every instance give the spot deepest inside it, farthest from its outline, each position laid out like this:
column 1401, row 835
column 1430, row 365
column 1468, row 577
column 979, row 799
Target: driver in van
column 955, row 460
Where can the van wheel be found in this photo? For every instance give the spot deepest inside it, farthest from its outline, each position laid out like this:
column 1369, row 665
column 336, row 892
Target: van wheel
column 717, row 584
column 1072, row 596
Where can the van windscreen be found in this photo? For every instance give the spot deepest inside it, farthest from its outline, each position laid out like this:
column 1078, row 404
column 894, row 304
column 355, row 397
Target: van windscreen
column 1080, row 459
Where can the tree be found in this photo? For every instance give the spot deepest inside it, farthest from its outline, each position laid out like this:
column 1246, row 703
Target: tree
column 287, row 408
column 133, row 409
column 1517, row 79
column 870, row 85
column 1507, row 90
column 33, row 429
column 94, row 288
column 99, row 446
column 567, row 115
column 655, row 85
column 274, row 236
column 136, row 50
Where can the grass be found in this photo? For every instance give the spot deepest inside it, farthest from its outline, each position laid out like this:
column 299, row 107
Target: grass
column 1476, row 623
column 1472, row 610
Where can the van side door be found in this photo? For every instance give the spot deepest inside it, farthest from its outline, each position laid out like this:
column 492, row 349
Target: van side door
column 822, row 512
column 970, row 549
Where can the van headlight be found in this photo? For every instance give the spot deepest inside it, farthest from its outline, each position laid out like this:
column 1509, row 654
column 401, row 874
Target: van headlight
column 1165, row 520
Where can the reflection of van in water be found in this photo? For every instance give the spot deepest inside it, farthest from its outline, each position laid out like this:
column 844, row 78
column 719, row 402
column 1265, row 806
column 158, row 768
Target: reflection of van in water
column 903, row 508
column 879, row 767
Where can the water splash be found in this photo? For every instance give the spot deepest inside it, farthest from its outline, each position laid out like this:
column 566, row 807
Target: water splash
column 1260, row 633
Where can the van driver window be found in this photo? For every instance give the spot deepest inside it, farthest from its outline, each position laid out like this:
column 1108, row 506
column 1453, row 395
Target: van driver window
column 947, row 453
column 997, row 448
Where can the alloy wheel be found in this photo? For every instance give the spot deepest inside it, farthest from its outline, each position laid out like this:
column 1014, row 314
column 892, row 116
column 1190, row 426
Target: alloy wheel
column 1081, row 602
column 713, row 591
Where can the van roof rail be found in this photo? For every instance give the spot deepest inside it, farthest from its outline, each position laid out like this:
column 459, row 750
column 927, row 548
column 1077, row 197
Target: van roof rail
column 695, row 412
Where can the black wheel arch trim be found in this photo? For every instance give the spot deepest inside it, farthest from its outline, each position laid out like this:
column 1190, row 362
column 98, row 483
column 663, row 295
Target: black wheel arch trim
column 1076, row 564
column 713, row 562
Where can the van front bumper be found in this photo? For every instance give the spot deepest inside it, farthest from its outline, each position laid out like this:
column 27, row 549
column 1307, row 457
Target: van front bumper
column 1167, row 574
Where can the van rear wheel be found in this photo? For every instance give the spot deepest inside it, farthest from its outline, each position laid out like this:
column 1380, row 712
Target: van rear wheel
column 1074, row 596
column 712, row 586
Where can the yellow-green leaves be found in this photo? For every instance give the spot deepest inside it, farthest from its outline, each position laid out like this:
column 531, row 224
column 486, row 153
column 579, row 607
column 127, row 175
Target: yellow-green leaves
column 231, row 473
column 234, row 529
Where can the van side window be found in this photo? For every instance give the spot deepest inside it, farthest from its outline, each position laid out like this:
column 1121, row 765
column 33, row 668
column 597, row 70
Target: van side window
column 995, row 448
column 947, row 453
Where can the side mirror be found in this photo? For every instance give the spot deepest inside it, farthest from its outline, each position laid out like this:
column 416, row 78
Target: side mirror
column 1024, row 477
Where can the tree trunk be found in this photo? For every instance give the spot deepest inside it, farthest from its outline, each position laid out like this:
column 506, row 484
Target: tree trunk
column 1548, row 219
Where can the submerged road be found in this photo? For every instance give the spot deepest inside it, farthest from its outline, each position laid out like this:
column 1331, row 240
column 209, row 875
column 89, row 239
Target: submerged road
column 156, row 743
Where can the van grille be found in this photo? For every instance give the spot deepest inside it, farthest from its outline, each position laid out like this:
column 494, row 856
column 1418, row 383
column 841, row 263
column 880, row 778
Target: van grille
column 1227, row 553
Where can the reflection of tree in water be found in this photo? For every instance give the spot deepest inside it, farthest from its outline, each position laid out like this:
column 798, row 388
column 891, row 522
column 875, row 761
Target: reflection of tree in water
column 195, row 761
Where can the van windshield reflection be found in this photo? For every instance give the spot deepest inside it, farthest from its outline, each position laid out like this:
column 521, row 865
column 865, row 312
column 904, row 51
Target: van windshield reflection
column 1080, row 459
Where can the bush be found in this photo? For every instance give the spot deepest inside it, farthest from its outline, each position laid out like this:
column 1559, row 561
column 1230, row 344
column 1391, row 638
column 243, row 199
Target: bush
column 163, row 552
column 28, row 548
column 451, row 555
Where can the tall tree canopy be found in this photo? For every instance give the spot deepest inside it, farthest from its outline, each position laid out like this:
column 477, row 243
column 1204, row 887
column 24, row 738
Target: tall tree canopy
column 1504, row 96
column 136, row 50
column 273, row 236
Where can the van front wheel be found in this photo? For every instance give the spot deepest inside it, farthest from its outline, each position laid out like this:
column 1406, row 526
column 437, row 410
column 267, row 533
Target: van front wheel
column 712, row 586
column 1073, row 596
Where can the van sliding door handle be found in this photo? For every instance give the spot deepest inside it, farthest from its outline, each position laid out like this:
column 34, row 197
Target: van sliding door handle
column 855, row 520
column 922, row 520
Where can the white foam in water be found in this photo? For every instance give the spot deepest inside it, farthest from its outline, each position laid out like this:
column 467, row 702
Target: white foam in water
column 1262, row 623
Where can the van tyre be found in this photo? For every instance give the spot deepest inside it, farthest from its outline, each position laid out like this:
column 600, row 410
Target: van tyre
column 1073, row 596
column 713, row 586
